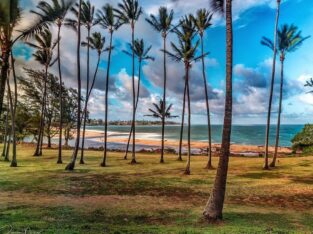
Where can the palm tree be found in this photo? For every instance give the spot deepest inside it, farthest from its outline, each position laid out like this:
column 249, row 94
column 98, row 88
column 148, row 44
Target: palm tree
column 162, row 24
column 309, row 83
column 13, row 111
column 289, row 39
column 185, row 52
column 142, row 54
column 44, row 52
column 129, row 12
column 96, row 42
column 71, row 165
column 10, row 14
column 268, row 124
column 202, row 20
column 48, row 14
column 107, row 20
column 160, row 109
column 88, row 20
column 214, row 208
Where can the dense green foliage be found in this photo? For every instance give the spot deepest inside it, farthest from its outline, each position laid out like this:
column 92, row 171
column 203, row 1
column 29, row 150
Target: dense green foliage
column 304, row 139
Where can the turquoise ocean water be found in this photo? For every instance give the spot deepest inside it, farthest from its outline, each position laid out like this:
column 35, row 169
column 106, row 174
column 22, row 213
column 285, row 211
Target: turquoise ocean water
column 241, row 134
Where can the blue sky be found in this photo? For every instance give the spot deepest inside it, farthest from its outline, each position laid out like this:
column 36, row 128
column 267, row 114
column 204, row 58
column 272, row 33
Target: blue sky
column 252, row 63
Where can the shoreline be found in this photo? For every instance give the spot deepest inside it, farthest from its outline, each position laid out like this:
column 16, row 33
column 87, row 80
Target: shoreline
column 117, row 141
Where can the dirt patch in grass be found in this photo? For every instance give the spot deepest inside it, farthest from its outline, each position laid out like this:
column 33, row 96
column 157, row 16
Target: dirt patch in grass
column 298, row 201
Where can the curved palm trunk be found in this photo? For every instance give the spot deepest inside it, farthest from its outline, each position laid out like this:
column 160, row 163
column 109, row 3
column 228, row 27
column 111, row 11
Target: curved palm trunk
column 137, row 100
column 134, row 100
column 209, row 164
column 60, row 100
column 71, row 165
column 164, row 100
column 38, row 151
column 268, row 123
column 214, row 208
column 187, row 170
column 182, row 125
column 86, row 100
column 273, row 163
column 103, row 164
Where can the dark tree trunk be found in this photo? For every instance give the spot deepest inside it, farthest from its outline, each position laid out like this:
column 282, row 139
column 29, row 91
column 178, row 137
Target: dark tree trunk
column 268, row 123
column 209, row 164
column 60, row 99
column 137, row 100
column 134, row 100
column 7, row 151
column 49, row 133
column 214, row 208
column 4, row 74
column 13, row 111
column 66, row 136
column 187, row 170
column 5, row 138
column 103, row 164
column 182, row 125
column 71, row 165
column 86, row 100
column 38, row 151
column 273, row 163
column 164, row 100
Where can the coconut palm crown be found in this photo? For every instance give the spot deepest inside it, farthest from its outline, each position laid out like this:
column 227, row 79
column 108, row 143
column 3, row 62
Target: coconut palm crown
column 140, row 50
column 159, row 109
column 289, row 40
column 128, row 12
column 48, row 14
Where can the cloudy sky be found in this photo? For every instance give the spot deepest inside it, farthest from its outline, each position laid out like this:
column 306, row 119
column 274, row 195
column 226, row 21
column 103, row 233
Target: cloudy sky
column 252, row 63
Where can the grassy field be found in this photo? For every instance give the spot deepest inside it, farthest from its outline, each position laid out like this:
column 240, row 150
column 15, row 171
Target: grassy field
column 39, row 196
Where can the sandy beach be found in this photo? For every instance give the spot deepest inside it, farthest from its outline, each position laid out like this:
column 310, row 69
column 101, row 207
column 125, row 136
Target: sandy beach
column 253, row 150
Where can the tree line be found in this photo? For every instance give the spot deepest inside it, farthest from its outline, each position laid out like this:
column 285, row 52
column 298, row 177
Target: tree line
column 56, row 109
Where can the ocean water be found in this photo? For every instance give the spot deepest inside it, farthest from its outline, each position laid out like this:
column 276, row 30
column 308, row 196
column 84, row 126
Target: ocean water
column 241, row 134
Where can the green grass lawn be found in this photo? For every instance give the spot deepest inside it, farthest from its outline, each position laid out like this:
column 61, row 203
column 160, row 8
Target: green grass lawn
column 39, row 196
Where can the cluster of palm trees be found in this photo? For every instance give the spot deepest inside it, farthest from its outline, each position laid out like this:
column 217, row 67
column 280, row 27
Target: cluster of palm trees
column 190, row 34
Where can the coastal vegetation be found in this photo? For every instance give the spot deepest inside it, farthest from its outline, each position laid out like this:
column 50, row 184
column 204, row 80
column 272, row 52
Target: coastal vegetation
column 39, row 105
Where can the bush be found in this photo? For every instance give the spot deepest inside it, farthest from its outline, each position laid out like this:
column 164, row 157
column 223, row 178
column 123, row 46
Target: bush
column 304, row 139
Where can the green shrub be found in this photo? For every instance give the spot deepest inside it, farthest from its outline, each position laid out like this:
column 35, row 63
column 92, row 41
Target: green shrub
column 304, row 139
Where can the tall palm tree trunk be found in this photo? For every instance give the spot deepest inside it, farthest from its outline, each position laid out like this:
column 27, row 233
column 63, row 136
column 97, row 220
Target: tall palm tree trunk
column 71, row 165
column 4, row 75
column 182, row 125
column 137, row 100
column 273, row 163
column 268, row 123
column 7, row 151
column 13, row 111
column 38, row 151
column 13, row 162
column 187, row 171
column 86, row 100
column 209, row 164
column 60, row 99
column 214, row 208
column 5, row 138
column 134, row 98
column 103, row 164
column 164, row 99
